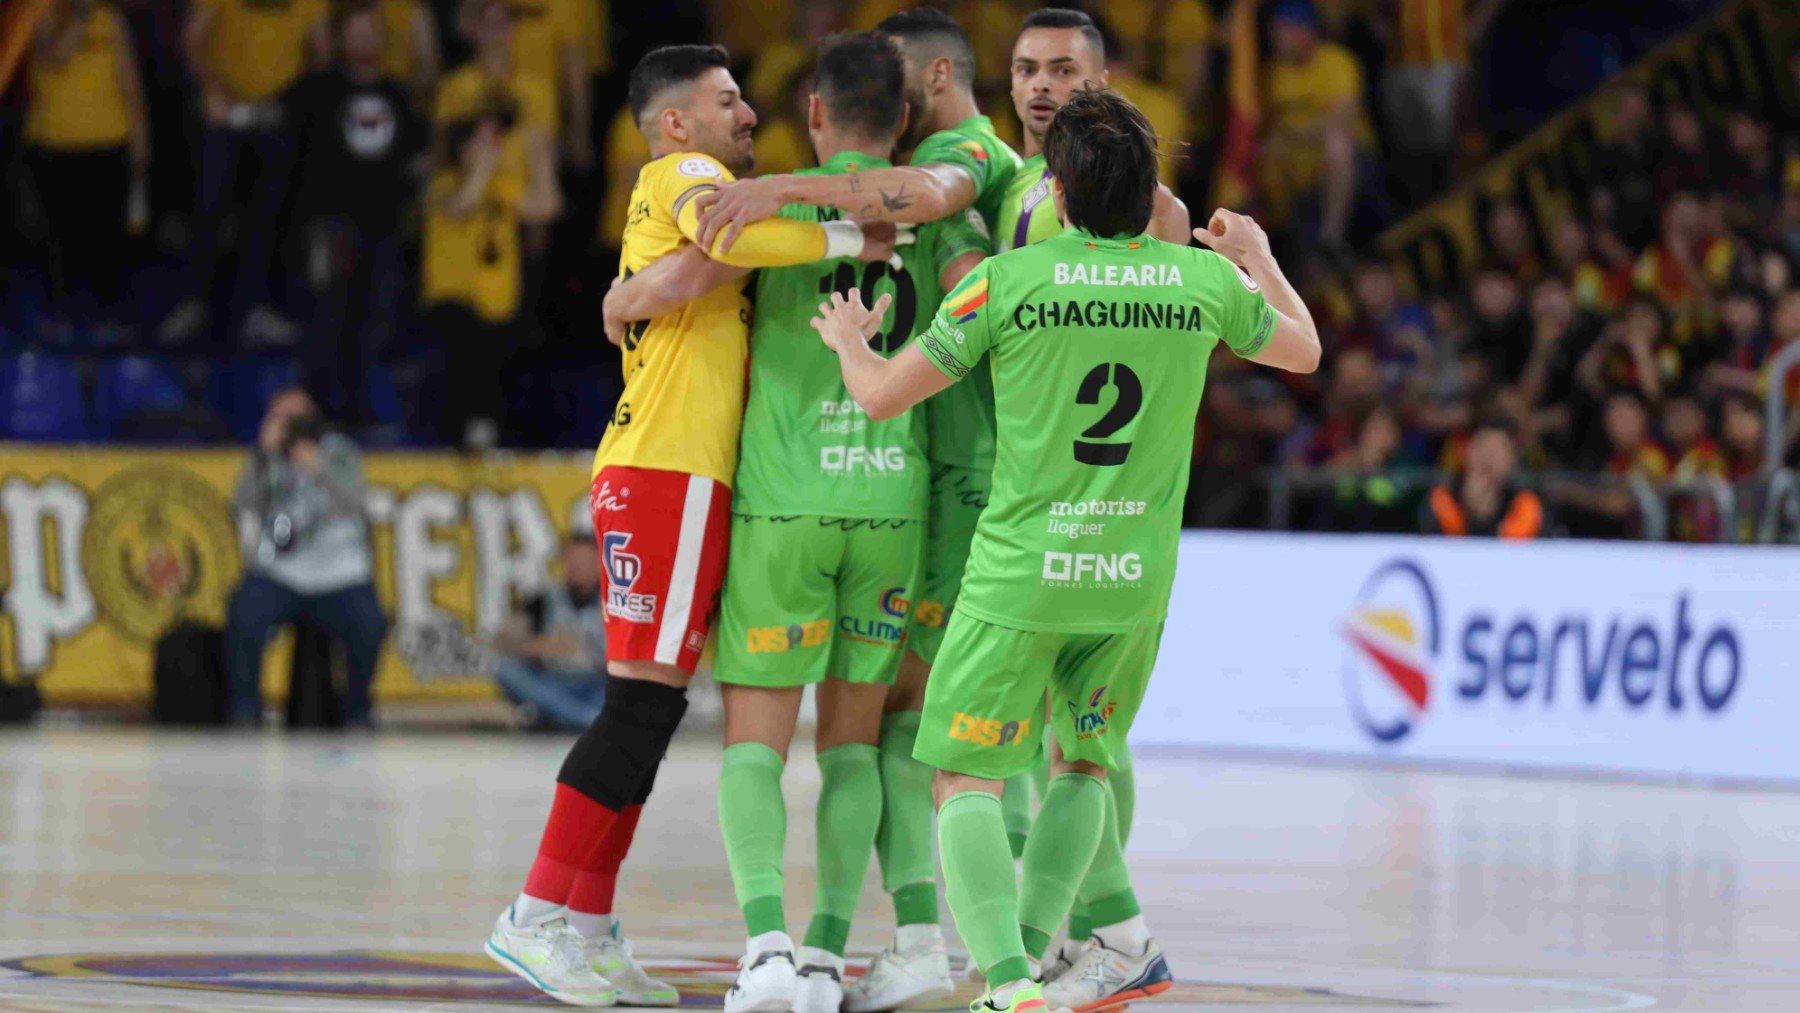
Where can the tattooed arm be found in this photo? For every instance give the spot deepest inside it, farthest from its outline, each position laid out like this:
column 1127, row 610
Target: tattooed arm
column 903, row 193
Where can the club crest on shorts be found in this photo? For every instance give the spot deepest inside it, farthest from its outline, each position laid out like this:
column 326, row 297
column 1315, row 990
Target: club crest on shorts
column 622, row 571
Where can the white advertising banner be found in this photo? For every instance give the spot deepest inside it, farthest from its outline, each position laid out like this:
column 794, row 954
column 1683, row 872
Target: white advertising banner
column 1663, row 659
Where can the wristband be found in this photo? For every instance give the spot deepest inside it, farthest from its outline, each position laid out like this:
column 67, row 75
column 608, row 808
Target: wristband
column 842, row 239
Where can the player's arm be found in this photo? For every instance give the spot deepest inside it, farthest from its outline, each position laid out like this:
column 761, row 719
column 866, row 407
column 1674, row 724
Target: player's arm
column 884, row 387
column 1293, row 341
column 779, row 242
column 670, row 282
column 1169, row 220
column 908, row 194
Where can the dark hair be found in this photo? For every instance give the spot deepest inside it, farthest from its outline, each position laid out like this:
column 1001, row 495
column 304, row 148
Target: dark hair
column 1103, row 152
column 927, row 33
column 666, row 67
column 1063, row 17
column 862, row 81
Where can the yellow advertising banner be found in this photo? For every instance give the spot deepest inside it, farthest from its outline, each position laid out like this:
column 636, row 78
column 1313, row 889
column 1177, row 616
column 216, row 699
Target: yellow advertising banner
column 107, row 547
column 1734, row 60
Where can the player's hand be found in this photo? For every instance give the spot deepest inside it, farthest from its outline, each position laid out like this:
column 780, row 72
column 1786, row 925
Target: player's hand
column 725, row 211
column 1236, row 237
column 882, row 242
column 845, row 322
column 614, row 323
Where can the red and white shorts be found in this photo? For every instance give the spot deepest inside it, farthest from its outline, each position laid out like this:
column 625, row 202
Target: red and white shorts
column 663, row 537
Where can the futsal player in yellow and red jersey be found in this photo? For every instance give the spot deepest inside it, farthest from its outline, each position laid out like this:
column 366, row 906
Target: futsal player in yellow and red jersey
column 661, row 505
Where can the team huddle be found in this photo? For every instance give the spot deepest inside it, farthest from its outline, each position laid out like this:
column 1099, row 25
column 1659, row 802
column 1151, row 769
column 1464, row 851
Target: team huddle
column 928, row 459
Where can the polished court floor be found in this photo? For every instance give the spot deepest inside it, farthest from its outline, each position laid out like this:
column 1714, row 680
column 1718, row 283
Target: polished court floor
column 159, row 871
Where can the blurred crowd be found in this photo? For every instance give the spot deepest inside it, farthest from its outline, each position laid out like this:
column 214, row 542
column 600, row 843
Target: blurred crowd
column 411, row 209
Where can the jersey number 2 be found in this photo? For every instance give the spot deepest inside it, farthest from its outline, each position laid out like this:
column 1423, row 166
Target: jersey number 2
column 1127, row 402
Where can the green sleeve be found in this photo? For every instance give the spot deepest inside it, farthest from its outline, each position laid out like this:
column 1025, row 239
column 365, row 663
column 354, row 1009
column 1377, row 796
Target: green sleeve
column 958, row 235
column 1247, row 320
column 949, row 147
column 961, row 333
column 800, row 212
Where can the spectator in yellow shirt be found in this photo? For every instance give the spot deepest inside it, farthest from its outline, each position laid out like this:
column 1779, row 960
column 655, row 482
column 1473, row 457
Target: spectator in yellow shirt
column 245, row 54
column 553, row 40
column 409, row 48
column 498, row 175
column 87, row 145
column 1315, row 126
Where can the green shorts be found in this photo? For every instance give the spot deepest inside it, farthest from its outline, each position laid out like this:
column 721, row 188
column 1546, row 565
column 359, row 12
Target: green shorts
column 958, row 495
column 984, row 705
column 809, row 597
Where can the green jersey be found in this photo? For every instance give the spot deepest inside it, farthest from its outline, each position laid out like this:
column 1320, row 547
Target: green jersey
column 1098, row 349
column 1028, row 212
column 807, row 447
column 960, row 421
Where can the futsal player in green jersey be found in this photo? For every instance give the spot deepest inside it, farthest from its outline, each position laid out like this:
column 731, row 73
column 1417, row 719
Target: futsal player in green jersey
column 1058, row 53
column 957, row 168
column 1097, row 340
column 826, row 542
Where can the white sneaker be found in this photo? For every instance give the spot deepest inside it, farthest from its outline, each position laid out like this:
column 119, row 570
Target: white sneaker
column 1103, row 977
column 766, row 981
column 820, row 986
column 1062, row 957
column 610, row 957
column 547, row 953
column 897, row 978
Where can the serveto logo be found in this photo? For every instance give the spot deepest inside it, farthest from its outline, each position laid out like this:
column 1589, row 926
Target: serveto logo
column 1394, row 633
column 1399, row 635
column 869, row 460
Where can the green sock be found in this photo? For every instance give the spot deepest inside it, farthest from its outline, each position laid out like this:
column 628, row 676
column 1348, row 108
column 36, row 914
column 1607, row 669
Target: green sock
column 1122, row 779
column 849, row 813
column 1015, row 808
column 1069, row 826
column 1121, row 784
column 753, row 821
column 978, row 879
column 904, row 844
column 1106, row 895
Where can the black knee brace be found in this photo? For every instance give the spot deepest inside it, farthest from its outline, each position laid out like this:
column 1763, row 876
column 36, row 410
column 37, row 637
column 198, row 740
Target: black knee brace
column 614, row 762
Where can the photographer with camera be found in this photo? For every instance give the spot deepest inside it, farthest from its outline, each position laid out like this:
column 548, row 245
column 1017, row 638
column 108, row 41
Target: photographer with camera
column 302, row 495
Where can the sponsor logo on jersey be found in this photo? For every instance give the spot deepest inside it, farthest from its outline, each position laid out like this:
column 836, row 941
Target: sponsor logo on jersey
column 1098, row 508
column 1117, row 274
column 1399, row 634
column 879, row 632
column 1249, row 282
column 989, row 732
column 606, row 499
column 1075, row 529
column 868, row 460
column 1093, row 569
column 968, row 305
column 894, row 603
column 698, row 168
column 1107, row 313
column 927, row 612
column 976, row 222
column 842, row 417
column 1091, row 721
column 622, row 572
column 792, row 637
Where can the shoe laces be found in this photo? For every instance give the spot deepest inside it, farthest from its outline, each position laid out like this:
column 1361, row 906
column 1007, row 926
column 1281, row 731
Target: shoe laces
column 566, row 954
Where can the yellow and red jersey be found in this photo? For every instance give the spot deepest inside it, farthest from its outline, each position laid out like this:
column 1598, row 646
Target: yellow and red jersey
column 684, row 372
